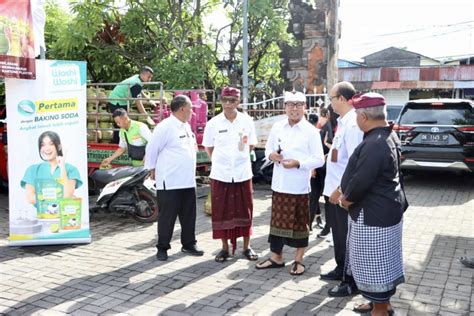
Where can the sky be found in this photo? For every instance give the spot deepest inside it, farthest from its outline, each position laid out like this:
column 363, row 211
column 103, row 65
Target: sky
column 434, row 28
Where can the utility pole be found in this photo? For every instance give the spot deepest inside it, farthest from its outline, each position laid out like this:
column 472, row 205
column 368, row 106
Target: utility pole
column 333, row 46
column 245, row 57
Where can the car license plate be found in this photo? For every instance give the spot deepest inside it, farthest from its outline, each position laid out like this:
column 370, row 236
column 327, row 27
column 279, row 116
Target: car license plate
column 434, row 138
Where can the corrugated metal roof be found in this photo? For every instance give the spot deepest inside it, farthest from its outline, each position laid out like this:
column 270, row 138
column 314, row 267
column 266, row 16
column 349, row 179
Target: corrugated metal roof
column 446, row 73
column 359, row 74
column 389, row 74
column 435, row 84
column 384, row 85
column 408, row 85
column 449, row 73
column 429, row 73
column 466, row 72
column 407, row 74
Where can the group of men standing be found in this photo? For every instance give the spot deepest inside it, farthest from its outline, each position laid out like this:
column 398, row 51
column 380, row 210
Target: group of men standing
column 363, row 186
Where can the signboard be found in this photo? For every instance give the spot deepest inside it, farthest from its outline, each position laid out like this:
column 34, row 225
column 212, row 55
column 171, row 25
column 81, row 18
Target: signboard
column 17, row 48
column 47, row 165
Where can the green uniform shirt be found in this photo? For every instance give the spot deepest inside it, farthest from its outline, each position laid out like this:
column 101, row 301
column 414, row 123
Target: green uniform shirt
column 136, row 136
column 121, row 90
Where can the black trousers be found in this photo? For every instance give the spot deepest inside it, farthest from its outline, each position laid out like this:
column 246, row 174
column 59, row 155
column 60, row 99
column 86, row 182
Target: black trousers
column 277, row 243
column 317, row 187
column 179, row 203
column 336, row 216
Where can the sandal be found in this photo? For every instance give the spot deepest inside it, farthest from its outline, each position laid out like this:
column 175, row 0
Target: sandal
column 366, row 309
column 273, row 264
column 222, row 256
column 250, row 254
column 363, row 308
column 294, row 268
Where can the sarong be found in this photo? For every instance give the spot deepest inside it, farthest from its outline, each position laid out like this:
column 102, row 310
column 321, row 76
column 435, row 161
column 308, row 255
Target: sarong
column 290, row 215
column 375, row 256
column 232, row 210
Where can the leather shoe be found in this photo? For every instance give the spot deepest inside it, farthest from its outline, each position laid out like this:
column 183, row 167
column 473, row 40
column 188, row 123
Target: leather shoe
column 332, row 275
column 193, row 250
column 343, row 289
column 326, row 230
column 162, row 255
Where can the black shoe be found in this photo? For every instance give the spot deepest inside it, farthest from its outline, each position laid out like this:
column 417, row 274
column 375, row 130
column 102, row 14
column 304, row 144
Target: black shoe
column 343, row 289
column 193, row 250
column 319, row 222
column 326, row 230
column 467, row 261
column 162, row 255
column 332, row 275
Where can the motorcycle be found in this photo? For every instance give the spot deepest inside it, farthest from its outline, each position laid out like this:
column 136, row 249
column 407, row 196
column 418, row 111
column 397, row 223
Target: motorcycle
column 262, row 168
column 128, row 190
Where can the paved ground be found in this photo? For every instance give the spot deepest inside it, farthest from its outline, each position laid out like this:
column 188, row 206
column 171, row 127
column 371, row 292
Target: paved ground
column 118, row 272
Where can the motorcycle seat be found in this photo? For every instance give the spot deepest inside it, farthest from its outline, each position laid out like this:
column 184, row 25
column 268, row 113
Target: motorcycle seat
column 108, row 175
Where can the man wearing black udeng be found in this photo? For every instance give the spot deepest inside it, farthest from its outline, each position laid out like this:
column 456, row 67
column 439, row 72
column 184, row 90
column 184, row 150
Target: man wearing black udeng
column 372, row 192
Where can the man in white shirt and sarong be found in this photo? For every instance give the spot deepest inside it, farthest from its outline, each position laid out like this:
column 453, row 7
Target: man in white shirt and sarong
column 229, row 137
column 294, row 145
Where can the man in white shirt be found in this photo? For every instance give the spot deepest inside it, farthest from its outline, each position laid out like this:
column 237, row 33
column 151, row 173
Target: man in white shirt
column 347, row 137
column 229, row 137
column 171, row 159
column 294, row 145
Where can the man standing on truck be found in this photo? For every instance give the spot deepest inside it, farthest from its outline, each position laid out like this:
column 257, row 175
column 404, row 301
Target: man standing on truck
column 229, row 137
column 131, row 88
column 133, row 136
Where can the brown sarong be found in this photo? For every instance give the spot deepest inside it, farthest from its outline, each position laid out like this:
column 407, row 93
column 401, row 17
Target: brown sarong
column 290, row 215
column 232, row 210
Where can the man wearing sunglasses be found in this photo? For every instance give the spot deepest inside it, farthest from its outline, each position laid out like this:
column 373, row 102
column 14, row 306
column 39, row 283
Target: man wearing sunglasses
column 229, row 137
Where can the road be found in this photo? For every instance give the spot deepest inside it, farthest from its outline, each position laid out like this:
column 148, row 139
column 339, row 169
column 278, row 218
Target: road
column 118, row 274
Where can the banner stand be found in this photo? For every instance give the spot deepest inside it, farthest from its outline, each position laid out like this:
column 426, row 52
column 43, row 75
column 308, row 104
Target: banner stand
column 47, row 162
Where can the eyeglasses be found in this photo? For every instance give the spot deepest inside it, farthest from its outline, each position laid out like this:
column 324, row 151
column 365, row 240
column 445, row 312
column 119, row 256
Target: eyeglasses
column 229, row 100
column 332, row 97
column 295, row 104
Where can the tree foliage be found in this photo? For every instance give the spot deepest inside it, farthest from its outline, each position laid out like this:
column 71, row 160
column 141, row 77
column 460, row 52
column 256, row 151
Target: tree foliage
column 267, row 23
column 169, row 36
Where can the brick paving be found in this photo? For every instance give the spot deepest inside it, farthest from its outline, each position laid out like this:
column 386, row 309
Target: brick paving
column 118, row 273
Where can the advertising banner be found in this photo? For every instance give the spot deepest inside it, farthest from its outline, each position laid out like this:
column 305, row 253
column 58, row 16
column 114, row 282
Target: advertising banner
column 17, row 48
column 47, row 161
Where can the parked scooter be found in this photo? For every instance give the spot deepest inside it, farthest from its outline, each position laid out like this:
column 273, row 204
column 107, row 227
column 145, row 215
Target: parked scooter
column 262, row 168
column 128, row 190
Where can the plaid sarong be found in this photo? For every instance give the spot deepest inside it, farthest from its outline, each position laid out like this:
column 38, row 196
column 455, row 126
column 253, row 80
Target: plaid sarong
column 290, row 215
column 375, row 256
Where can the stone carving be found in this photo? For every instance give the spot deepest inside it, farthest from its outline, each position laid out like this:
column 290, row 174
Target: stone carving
column 304, row 67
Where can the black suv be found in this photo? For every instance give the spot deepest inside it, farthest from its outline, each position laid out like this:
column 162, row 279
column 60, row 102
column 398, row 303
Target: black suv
column 437, row 134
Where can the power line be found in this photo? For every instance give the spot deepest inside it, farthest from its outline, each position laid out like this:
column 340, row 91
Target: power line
column 405, row 40
column 424, row 28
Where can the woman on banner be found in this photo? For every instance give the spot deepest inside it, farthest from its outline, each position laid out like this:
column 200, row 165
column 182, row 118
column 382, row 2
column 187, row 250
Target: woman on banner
column 52, row 179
